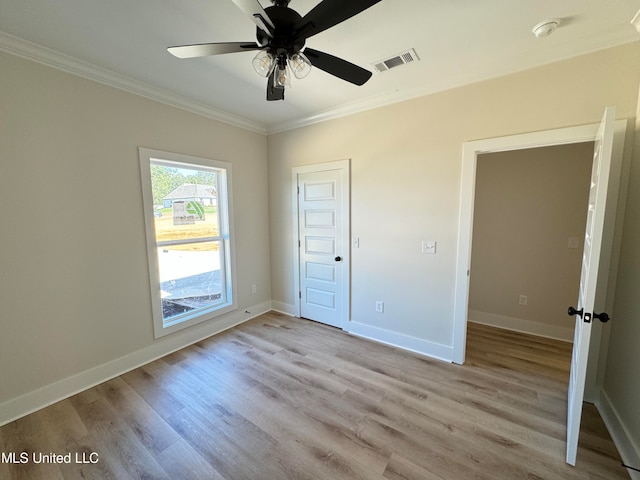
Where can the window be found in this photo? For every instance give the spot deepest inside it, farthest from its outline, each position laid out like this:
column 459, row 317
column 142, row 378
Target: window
column 187, row 208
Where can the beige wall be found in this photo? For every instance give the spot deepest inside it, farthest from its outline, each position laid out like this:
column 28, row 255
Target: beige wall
column 528, row 203
column 406, row 170
column 622, row 375
column 74, row 288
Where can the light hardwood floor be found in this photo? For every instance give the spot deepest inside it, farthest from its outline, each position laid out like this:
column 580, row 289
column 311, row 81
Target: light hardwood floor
column 280, row 398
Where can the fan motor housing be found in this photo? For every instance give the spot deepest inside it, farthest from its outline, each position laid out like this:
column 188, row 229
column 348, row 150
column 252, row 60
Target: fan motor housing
column 283, row 41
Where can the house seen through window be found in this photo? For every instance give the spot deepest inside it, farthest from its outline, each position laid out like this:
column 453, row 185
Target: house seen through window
column 188, row 238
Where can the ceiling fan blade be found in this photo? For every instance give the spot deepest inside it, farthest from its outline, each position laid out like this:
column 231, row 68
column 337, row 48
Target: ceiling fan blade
column 338, row 67
column 327, row 14
column 206, row 49
column 274, row 93
column 254, row 10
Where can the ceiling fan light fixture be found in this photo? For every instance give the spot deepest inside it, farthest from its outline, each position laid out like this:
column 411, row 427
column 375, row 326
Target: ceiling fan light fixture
column 264, row 63
column 300, row 65
column 282, row 77
column 280, row 36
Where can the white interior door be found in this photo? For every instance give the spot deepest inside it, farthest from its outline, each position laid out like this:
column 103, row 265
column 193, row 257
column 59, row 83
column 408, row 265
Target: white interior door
column 323, row 234
column 588, row 280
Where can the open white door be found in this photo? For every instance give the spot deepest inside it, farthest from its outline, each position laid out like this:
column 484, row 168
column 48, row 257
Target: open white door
column 584, row 313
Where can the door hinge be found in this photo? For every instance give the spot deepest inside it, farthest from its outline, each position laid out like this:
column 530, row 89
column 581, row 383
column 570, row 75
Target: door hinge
column 299, row 244
column 299, row 294
column 298, row 190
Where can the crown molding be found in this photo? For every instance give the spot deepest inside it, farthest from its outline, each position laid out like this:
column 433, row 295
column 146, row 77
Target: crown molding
column 464, row 76
column 51, row 58
column 31, row 51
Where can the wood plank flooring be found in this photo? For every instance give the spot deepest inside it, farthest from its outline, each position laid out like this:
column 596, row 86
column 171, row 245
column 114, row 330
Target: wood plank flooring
column 285, row 398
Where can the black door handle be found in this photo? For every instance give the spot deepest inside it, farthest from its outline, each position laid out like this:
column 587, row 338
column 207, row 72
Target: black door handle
column 338, row 259
column 603, row 317
column 572, row 312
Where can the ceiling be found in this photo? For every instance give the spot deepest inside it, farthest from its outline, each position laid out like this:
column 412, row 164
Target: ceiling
column 123, row 42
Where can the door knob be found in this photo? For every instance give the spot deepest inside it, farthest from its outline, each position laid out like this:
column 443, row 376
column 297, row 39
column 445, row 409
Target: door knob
column 338, row 259
column 572, row 312
column 603, row 317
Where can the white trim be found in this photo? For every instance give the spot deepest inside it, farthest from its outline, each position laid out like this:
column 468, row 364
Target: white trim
column 460, row 78
column 46, row 56
column 284, row 308
column 521, row 325
column 42, row 397
column 628, row 450
column 345, row 167
column 470, row 152
column 51, row 58
column 399, row 340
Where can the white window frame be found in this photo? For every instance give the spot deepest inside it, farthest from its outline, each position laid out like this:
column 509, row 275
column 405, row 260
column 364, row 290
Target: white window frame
column 226, row 238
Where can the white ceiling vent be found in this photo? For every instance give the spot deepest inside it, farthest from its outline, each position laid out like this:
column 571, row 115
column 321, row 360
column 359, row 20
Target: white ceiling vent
column 397, row 60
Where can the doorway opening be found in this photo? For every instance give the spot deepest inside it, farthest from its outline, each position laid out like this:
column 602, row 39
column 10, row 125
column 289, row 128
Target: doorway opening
column 598, row 243
column 471, row 151
column 528, row 229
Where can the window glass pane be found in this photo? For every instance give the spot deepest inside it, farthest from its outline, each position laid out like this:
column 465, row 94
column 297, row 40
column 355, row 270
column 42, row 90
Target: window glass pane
column 171, row 225
column 185, row 202
column 190, row 278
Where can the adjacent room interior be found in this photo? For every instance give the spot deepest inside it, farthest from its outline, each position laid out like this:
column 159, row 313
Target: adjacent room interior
column 91, row 367
column 529, row 222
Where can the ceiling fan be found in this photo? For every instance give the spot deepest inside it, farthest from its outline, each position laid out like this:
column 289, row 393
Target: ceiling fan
column 281, row 35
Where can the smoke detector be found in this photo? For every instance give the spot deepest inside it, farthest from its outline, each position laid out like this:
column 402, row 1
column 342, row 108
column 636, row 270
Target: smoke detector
column 546, row 27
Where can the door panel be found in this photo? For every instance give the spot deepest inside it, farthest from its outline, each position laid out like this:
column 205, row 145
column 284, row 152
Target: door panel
column 319, row 245
column 588, row 280
column 320, row 271
column 323, row 245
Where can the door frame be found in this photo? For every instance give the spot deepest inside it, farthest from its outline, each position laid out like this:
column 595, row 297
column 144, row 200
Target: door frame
column 345, row 167
column 470, row 152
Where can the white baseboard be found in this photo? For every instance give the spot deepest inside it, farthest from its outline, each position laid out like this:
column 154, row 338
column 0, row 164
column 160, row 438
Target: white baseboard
column 406, row 342
column 521, row 325
column 629, row 451
column 282, row 307
column 30, row 402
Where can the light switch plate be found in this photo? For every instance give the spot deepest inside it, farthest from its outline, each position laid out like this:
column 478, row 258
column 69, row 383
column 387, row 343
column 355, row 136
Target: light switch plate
column 429, row 247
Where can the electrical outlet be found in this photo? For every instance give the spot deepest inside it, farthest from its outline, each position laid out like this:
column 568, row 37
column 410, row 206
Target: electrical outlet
column 522, row 300
column 254, row 289
column 379, row 306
